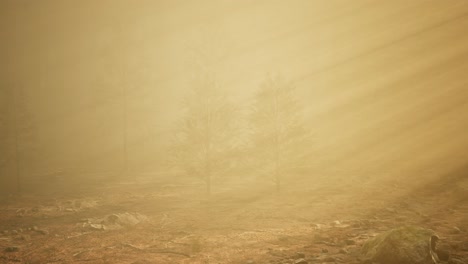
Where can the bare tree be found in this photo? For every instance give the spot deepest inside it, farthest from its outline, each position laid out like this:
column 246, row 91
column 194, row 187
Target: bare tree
column 279, row 135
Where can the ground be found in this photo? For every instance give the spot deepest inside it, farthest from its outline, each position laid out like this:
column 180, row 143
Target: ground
column 317, row 223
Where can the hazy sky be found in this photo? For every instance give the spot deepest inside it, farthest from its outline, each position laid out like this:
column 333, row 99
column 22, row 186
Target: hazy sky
column 384, row 82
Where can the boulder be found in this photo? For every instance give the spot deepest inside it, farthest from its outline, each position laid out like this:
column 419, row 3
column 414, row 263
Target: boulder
column 405, row 245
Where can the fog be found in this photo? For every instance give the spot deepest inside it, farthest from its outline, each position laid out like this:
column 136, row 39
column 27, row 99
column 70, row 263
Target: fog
column 362, row 104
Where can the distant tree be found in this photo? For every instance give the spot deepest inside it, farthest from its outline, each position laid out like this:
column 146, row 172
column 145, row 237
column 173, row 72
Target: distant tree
column 206, row 137
column 281, row 141
column 206, row 140
column 4, row 131
column 21, row 139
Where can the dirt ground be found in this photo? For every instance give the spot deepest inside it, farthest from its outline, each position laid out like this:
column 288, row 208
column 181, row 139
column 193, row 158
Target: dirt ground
column 180, row 224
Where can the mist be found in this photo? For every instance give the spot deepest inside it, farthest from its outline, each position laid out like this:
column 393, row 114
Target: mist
column 237, row 126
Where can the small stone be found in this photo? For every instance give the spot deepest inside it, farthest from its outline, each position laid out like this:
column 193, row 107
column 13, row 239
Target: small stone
column 300, row 261
column 456, row 230
column 343, row 251
column 250, row 261
column 5, row 232
column 455, row 261
column 336, row 223
column 324, row 250
column 14, row 232
column 443, row 254
column 300, row 255
column 350, row 242
column 20, row 230
column 42, row 231
column 12, row 249
column 25, row 237
column 35, row 228
column 329, row 259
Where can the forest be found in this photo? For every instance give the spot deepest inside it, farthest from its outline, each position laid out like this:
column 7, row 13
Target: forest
column 223, row 131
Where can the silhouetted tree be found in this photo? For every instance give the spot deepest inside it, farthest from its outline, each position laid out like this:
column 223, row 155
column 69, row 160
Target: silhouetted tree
column 18, row 125
column 206, row 137
column 280, row 138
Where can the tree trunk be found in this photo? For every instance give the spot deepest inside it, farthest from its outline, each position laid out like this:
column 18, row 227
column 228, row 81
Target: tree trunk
column 16, row 132
column 277, row 143
column 208, row 185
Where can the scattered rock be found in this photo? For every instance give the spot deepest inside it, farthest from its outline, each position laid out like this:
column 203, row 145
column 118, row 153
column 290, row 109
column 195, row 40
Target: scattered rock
column 299, row 255
column 456, row 230
column 443, row 250
column 335, row 223
column 443, row 254
column 25, row 237
column 115, row 221
column 456, row 261
column 406, row 245
column 12, row 249
column 42, row 231
column 300, row 261
column 316, row 226
column 343, row 251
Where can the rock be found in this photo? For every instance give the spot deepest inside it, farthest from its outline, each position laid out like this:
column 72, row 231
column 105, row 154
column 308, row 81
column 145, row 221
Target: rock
column 25, row 237
column 456, row 230
column 329, row 259
column 350, row 242
column 299, row 255
column 316, row 226
column 343, row 251
column 250, row 261
column 12, row 249
column 112, row 219
column 42, row 232
column 405, row 245
column 6, row 232
column 443, row 250
column 115, row 221
column 300, row 261
column 335, row 223
column 20, row 230
column 443, row 254
column 324, row 250
column 34, row 228
column 456, row 261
